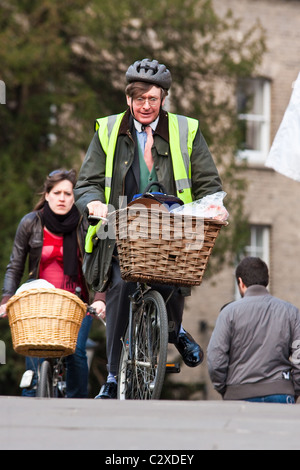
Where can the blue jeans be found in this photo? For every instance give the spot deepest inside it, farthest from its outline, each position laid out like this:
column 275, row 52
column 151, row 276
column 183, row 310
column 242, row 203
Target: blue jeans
column 77, row 366
column 287, row 399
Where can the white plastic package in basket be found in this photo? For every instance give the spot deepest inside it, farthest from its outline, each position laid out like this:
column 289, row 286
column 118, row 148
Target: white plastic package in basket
column 209, row 207
column 36, row 284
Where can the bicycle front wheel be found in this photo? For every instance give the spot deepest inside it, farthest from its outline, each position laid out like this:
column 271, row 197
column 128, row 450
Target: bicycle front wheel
column 44, row 387
column 144, row 353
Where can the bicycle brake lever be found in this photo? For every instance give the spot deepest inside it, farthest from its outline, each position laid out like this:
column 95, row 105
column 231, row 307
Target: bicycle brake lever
column 92, row 311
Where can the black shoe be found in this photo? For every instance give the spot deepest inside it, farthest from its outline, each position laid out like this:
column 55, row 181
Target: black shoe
column 190, row 351
column 108, row 390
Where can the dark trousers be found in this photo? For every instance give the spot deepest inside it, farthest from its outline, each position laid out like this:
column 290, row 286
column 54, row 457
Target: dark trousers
column 117, row 313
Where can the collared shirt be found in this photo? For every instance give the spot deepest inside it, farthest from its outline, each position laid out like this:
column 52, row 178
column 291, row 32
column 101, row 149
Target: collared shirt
column 141, row 134
column 146, row 177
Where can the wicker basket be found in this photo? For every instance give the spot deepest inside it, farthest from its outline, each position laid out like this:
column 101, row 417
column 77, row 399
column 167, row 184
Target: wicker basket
column 45, row 322
column 164, row 248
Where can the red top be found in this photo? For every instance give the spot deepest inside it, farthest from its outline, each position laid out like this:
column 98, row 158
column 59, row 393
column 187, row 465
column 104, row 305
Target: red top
column 52, row 267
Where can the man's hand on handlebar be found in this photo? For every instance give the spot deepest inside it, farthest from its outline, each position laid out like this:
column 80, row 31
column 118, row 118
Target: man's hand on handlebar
column 98, row 309
column 98, row 209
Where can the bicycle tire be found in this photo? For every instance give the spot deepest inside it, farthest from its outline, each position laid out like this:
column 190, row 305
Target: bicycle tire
column 59, row 386
column 142, row 376
column 44, row 387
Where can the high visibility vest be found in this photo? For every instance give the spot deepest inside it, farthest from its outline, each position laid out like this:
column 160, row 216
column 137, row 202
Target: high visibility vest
column 182, row 131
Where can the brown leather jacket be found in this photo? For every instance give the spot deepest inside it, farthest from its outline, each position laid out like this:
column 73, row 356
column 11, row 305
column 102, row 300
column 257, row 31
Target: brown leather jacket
column 28, row 243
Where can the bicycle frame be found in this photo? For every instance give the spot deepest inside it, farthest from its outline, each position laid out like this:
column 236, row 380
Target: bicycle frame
column 144, row 354
column 136, row 300
column 48, row 380
column 57, row 384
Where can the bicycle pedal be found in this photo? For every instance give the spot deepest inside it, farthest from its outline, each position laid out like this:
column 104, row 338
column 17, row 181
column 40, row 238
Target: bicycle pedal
column 173, row 368
column 27, row 379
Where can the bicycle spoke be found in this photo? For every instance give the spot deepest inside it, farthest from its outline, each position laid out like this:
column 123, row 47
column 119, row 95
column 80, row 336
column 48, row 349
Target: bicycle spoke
column 147, row 344
column 142, row 375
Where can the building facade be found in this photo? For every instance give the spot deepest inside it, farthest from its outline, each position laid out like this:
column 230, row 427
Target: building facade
column 271, row 199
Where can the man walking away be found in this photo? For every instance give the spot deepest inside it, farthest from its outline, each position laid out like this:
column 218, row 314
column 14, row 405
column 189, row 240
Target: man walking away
column 254, row 351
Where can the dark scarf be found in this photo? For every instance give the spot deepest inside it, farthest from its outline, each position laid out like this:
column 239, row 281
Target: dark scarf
column 67, row 225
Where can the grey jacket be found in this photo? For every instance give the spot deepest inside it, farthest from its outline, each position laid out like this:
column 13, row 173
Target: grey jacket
column 255, row 347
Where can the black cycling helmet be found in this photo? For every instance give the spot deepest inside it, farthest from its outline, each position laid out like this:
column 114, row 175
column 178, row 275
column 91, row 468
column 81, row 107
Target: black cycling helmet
column 149, row 71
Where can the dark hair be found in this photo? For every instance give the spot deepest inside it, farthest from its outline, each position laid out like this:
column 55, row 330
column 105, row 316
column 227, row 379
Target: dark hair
column 252, row 271
column 137, row 89
column 52, row 179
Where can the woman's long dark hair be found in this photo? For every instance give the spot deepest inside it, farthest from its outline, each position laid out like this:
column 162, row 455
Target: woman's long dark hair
column 52, row 179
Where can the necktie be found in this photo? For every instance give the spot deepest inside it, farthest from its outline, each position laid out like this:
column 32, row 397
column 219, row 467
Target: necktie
column 147, row 152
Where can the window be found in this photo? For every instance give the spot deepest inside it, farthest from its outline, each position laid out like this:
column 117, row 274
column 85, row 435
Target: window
column 253, row 104
column 259, row 246
column 259, row 242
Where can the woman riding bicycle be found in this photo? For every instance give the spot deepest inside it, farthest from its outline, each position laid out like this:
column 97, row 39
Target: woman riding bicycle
column 52, row 238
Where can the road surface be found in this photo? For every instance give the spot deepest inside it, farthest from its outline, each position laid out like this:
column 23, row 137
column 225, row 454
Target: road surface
column 112, row 426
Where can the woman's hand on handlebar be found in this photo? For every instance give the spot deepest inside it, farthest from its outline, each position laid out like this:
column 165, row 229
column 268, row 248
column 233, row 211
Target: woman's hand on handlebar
column 3, row 313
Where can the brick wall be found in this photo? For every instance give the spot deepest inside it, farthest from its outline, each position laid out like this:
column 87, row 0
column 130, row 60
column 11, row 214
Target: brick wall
column 271, row 198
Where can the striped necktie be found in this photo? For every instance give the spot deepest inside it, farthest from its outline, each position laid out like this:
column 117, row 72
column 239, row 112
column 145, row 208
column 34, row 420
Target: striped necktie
column 147, row 152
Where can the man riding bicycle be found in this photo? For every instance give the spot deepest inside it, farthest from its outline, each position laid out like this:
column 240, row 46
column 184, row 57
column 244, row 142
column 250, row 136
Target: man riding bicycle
column 118, row 164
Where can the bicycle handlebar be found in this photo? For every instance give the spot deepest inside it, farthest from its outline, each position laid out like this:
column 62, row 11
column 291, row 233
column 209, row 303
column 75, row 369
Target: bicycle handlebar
column 89, row 310
column 92, row 311
column 94, row 219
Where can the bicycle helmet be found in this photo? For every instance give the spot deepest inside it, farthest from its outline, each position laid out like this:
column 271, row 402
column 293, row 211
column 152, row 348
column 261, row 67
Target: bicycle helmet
column 149, row 71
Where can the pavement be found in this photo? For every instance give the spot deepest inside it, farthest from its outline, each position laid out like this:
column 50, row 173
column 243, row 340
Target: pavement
column 114, row 426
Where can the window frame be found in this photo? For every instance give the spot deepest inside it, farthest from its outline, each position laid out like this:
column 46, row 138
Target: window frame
column 258, row 155
column 262, row 252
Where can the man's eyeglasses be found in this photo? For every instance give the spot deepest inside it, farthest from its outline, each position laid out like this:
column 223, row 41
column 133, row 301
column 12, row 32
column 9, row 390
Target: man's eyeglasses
column 153, row 102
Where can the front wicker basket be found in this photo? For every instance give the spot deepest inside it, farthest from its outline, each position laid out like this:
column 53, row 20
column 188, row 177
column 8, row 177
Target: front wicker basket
column 159, row 247
column 45, row 322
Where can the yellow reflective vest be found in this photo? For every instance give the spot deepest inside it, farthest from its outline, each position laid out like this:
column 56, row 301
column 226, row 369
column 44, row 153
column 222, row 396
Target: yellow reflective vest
column 182, row 131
